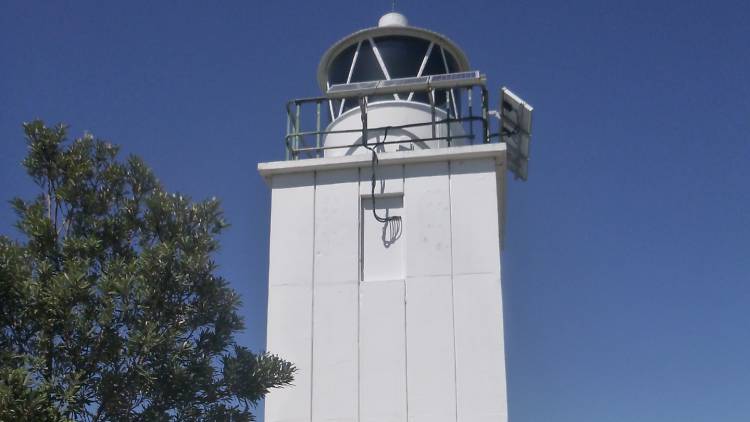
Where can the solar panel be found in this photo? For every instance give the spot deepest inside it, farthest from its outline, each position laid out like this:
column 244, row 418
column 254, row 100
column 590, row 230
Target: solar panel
column 449, row 80
column 518, row 141
column 515, row 112
column 455, row 76
column 404, row 84
column 515, row 118
column 352, row 89
column 353, row 86
column 519, row 166
column 420, row 83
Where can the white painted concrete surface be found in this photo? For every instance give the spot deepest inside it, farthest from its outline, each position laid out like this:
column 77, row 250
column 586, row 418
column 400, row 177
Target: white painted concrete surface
column 408, row 330
column 382, row 345
column 335, row 292
column 430, row 349
column 290, row 286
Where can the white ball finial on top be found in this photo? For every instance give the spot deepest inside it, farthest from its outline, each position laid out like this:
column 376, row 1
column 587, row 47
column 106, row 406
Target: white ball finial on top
column 393, row 19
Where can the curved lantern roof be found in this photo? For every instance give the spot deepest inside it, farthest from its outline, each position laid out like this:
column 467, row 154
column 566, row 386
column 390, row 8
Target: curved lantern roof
column 391, row 42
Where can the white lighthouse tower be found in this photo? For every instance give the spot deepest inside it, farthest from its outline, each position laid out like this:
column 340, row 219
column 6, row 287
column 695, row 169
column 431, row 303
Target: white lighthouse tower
column 386, row 229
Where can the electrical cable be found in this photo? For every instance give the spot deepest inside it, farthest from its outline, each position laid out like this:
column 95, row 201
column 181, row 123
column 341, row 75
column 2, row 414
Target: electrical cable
column 394, row 221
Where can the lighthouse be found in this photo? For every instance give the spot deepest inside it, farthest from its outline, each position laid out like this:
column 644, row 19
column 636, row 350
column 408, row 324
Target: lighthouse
column 387, row 214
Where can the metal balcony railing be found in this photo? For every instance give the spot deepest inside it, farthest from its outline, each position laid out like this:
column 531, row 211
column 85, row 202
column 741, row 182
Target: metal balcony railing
column 452, row 102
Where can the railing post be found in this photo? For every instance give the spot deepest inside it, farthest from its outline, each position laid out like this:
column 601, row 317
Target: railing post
column 485, row 116
column 363, row 115
column 469, row 90
column 288, row 131
column 295, row 153
column 448, row 116
column 317, row 129
column 431, row 94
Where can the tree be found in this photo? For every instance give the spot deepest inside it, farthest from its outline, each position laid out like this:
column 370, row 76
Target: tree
column 110, row 306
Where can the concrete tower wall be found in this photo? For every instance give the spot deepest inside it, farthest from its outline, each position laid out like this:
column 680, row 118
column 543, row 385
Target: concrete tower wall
column 383, row 327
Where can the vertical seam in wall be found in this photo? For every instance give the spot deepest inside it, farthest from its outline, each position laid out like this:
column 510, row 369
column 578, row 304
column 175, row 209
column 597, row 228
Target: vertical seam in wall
column 406, row 250
column 453, row 302
column 360, row 277
column 312, row 294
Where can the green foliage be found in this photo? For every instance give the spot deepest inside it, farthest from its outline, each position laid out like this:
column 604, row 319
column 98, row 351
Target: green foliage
column 110, row 308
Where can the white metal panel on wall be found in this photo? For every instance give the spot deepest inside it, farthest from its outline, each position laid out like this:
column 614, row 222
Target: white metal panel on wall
column 427, row 207
column 382, row 357
column 292, row 199
column 474, row 209
column 335, row 305
column 290, row 292
column 429, row 308
column 382, row 341
column 290, row 336
column 480, row 353
column 335, row 380
column 337, row 226
column 429, row 348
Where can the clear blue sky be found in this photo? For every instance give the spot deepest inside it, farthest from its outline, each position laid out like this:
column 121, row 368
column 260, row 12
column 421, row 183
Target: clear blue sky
column 626, row 264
